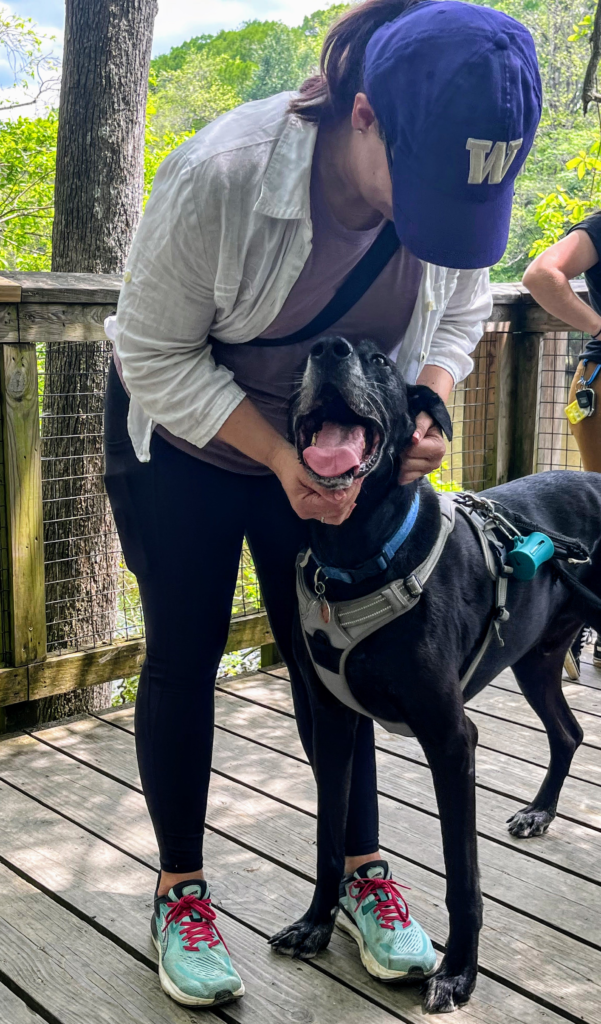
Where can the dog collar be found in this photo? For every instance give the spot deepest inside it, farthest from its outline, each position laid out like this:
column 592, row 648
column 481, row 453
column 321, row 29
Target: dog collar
column 378, row 563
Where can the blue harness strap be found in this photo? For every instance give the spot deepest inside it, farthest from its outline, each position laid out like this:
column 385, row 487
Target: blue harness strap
column 379, row 563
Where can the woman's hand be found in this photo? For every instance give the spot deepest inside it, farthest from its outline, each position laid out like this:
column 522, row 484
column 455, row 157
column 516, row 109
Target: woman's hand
column 426, row 452
column 308, row 500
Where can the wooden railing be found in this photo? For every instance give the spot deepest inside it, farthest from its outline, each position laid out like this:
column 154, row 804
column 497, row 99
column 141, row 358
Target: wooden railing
column 498, row 442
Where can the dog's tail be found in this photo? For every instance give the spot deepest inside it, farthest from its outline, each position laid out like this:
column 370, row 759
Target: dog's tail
column 587, row 603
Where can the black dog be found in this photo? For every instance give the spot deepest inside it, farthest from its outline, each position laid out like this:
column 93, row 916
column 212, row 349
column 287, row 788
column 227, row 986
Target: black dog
column 410, row 669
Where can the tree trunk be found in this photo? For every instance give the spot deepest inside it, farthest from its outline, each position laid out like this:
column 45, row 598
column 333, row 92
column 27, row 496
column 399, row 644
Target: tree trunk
column 98, row 202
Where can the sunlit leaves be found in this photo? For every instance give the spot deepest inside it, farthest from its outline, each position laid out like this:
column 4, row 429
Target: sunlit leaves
column 582, row 29
column 27, row 168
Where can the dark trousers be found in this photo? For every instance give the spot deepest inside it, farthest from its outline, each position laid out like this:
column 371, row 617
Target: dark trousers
column 181, row 524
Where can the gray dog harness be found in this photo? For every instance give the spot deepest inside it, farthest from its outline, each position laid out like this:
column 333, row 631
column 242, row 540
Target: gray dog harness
column 341, row 625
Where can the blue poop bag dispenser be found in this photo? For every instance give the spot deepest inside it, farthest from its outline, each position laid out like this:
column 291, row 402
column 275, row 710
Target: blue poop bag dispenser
column 528, row 554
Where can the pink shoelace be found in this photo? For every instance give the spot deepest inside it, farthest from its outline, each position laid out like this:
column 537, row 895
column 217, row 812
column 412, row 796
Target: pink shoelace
column 193, row 932
column 387, row 911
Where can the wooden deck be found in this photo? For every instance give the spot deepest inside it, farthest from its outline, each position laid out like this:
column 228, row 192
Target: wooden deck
column 78, row 862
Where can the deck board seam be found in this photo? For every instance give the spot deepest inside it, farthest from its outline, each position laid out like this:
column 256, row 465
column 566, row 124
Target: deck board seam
column 487, row 972
column 137, row 954
column 403, row 803
column 525, row 725
column 28, row 999
column 386, row 849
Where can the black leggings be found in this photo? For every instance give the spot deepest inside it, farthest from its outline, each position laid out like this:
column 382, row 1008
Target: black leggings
column 181, row 523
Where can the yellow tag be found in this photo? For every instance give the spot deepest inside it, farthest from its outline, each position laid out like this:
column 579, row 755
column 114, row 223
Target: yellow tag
column 574, row 413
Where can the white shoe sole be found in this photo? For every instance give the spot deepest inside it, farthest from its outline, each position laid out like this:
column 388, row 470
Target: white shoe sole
column 176, row 993
column 571, row 667
column 369, row 961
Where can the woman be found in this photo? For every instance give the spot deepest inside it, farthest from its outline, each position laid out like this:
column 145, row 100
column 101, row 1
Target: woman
column 251, row 229
column 548, row 279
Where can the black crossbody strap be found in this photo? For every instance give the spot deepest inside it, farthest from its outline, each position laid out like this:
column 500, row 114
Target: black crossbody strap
column 361, row 277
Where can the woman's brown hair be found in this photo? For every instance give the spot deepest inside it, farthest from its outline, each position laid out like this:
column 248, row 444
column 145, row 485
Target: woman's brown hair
column 330, row 95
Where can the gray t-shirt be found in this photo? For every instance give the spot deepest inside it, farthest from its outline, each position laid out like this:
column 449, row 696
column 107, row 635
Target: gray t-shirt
column 270, row 375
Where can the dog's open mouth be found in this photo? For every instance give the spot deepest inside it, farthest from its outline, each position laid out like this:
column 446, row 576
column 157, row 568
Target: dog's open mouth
column 337, row 445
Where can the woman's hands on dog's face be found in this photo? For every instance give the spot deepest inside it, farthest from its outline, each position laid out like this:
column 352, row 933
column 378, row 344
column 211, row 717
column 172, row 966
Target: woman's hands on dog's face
column 426, row 451
column 308, row 500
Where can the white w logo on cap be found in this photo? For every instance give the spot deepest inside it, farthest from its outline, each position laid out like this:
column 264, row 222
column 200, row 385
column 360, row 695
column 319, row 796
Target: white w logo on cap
column 496, row 165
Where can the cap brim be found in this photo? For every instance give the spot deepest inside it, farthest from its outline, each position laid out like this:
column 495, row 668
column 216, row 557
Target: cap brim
column 461, row 233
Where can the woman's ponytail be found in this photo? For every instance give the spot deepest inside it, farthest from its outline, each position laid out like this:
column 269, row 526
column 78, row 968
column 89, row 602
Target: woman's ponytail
column 330, row 95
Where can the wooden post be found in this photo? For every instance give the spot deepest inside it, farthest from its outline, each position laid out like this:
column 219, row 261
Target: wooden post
column 270, row 655
column 23, row 476
column 524, row 402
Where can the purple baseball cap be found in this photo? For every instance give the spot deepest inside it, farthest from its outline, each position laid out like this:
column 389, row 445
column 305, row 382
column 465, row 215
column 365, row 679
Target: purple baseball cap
column 457, row 94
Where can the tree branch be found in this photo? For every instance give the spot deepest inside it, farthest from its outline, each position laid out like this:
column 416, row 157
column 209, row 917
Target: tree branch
column 589, row 91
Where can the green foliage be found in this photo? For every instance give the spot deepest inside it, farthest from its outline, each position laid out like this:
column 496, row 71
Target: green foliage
column 286, row 58
column 582, row 30
column 27, row 168
column 125, row 691
column 203, row 88
column 241, row 44
column 439, row 480
column 209, row 74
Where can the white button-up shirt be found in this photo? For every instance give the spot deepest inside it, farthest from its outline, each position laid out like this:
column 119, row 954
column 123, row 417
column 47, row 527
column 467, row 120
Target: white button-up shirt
column 225, row 235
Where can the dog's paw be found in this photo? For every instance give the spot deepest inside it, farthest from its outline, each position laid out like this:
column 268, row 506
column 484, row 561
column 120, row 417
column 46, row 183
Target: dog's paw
column 529, row 822
column 303, row 940
column 444, row 992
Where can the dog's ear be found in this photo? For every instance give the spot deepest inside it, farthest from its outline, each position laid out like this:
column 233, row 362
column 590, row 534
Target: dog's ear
column 423, row 399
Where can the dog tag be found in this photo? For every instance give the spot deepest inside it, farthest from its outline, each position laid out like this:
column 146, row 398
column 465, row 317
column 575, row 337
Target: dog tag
column 325, row 610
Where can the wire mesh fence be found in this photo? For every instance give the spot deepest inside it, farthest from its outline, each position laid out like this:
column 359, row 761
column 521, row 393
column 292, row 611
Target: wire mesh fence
column 556, row 448
column 6, row 652
column 91, row 597
column 473, row 411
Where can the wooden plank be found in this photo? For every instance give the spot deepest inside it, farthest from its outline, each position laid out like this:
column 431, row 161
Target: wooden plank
column 23, row 474
column 9, row 325
column 248, row 631
column 503, row 387
column 47, row 322
column 496, row 734
column 41, row 286
column 272, row 988
column 567, row 845
column 100, row 882
column 13, row 685
column 64, row 672
column 557, row 969
column 14, row 1011
column 10, row 291
column 535, row 318
column 532, row 745
column 72, row 971
column 580, row 694
column 506, row 874
column 502, row 703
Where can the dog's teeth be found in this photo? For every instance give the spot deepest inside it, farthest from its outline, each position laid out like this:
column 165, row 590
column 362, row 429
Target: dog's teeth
column 314, row 439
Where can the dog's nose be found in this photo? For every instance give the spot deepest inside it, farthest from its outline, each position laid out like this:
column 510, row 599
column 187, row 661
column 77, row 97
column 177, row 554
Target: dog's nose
column 336, row 348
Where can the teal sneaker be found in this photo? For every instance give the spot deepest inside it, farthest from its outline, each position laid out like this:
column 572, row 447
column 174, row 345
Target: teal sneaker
column 371, row 908
column 194, row 963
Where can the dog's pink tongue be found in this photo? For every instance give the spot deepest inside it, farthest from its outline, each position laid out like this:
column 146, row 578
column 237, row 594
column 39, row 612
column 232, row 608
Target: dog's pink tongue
column 337, row 450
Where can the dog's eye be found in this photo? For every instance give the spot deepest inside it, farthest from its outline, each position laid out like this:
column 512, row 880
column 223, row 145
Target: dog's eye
column 379, row 360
